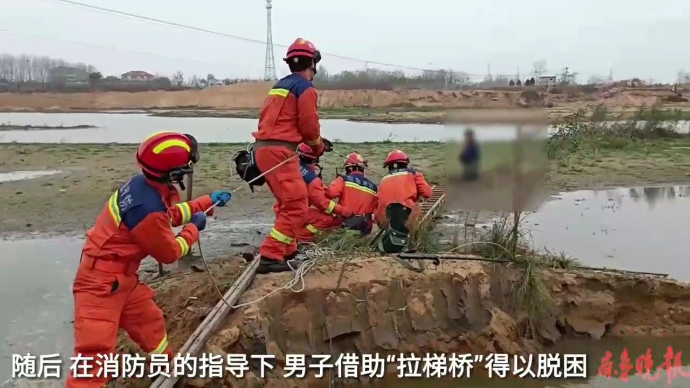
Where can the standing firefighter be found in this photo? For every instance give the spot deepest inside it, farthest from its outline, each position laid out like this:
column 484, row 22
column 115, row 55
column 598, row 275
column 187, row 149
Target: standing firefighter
column 401, row 185
column 136, row 223
column 323, row 213
column 355, row 192
column 288, row 117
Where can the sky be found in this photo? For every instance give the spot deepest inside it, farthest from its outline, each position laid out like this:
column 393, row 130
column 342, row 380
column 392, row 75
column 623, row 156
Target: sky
column 631, row 38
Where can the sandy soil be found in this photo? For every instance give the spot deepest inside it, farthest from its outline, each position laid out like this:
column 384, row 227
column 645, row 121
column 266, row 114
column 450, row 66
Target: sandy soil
column 251, row 95
column 70, row 201
column 458, row 307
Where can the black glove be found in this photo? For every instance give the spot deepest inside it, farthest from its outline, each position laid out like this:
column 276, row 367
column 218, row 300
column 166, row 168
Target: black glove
column 327, row 145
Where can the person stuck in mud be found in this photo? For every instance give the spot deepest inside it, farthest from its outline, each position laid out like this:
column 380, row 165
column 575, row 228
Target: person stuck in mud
column 288, row 117
column 403, row 185
column 323, row 212
column 136, row 223
column 354, row 191
column 469, row 157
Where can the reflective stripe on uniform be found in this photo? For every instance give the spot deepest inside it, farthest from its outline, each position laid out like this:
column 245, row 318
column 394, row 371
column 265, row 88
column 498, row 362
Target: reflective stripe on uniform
column 331, row 207
column 355, row 186
column 313, row 229
column 186, row 211
column 114, row 208
column 184, row 247
column 280, row 237
column 313, row 142
column 161, row 346
column 279, row 92
column 395, row 174
column 164, row 145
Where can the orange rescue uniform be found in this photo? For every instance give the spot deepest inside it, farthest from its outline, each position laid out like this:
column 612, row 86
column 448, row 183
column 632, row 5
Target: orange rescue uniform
column 404, row 186
column 288, row 117
column 135, row 223
column 355, row 192
column 323, row 211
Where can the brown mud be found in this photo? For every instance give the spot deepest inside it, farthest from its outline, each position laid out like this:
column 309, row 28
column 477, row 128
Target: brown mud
column 251, row 95
column 457, row 307
column 13, row 127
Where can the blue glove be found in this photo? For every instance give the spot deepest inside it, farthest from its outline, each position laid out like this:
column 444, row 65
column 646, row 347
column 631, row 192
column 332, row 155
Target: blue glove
column 220, row 196
column 199, row 219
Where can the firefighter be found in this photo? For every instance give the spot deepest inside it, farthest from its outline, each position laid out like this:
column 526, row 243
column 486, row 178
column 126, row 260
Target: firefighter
column 401, row 185
column 136, row 223
column 324, row 213
column 355, row 192
column 288, row 117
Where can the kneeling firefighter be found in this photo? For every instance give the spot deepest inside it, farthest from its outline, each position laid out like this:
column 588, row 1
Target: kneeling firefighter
column 355, row 192
column 323, row 213
column 398, row 196
column 135, row 223
column 288, row 117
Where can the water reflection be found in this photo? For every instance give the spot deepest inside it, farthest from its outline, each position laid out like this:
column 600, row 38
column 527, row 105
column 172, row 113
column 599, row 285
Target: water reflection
column 638, row 228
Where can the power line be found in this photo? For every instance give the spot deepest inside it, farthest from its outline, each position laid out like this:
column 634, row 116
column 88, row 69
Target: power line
column 217, row 33
column 34, row 36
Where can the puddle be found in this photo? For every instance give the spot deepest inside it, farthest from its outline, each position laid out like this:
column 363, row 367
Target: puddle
column 36, row 295
column 24, row 175
column 638, row 229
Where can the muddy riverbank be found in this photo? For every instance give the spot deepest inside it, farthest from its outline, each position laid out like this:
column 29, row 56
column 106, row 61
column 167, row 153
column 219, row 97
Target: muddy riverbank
column 68, row 202
column 15, row 127
column 458, row 307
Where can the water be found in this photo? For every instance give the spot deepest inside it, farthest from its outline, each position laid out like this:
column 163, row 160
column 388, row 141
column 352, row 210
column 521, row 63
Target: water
column 36, row 297
column 133, row 128
column 23, row 175
column 638, row 229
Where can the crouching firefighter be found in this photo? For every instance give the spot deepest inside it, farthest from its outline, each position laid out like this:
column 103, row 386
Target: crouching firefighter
column 355, row 192
column 398, row 196
column 323, row 213
column 135, row 223
column 288, row 117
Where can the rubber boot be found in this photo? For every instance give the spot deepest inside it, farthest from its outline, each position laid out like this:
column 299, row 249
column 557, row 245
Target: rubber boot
column 268, row 265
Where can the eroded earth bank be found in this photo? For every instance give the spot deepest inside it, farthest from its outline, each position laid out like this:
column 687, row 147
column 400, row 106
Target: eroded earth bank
column 456, row 307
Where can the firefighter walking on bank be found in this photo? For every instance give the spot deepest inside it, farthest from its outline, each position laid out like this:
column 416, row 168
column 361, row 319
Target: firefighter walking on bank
column 135, row 223
column 289, row 116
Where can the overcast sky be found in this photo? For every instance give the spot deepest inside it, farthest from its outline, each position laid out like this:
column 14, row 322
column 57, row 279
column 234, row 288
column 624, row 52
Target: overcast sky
column 632, row 38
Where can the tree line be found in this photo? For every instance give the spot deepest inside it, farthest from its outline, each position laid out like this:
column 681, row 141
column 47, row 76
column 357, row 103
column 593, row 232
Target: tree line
column 30, row 68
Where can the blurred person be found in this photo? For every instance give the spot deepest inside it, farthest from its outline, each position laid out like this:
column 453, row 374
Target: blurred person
column 469, row 157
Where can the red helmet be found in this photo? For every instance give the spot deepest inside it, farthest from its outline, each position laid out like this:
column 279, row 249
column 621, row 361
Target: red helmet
column 306, row 151
column 396, row 156
column 354, row 160
column 303, row 48
column 165, row 153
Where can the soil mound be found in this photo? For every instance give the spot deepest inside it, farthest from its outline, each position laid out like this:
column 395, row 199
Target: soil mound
column 461, row 307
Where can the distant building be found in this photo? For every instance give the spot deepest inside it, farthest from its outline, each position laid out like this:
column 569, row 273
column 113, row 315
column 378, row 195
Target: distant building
column 137, row 75
column 68, row 76
column 547, row 80
column 215, row 82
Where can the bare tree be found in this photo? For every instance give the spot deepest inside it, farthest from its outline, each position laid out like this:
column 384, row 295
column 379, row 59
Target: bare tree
column 28, row 68
column 539, row 68
column 178, row 78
